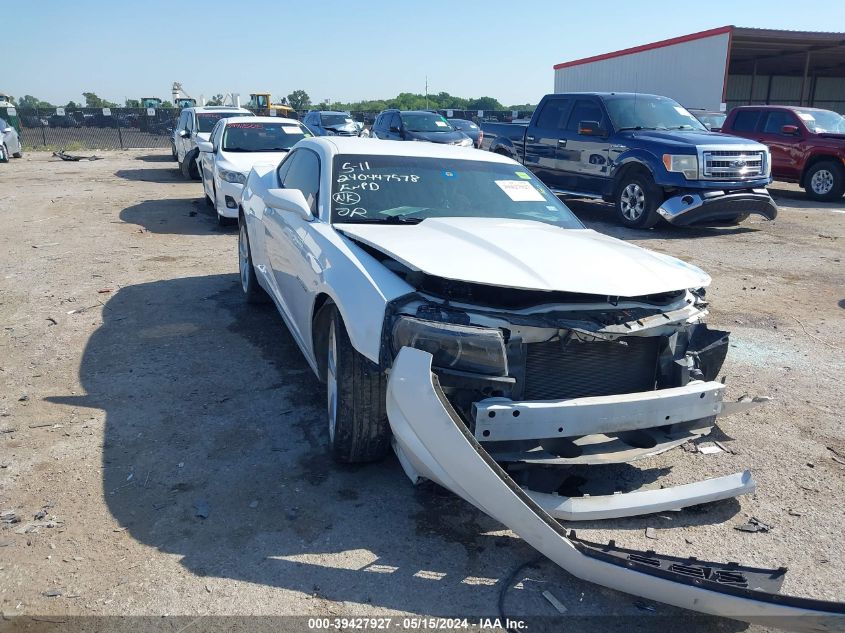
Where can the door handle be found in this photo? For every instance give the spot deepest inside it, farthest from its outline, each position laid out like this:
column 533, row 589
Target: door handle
column 530, row 138
column 561, row 142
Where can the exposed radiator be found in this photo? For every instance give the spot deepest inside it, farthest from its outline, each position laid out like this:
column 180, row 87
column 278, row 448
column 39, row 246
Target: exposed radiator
column 601, row 368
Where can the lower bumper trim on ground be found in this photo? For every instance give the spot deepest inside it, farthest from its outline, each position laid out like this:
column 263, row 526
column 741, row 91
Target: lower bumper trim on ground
column 432, row 442
column 690, row 208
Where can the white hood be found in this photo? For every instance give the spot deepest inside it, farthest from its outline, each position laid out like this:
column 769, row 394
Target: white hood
column 529, row 255
column 244, row 161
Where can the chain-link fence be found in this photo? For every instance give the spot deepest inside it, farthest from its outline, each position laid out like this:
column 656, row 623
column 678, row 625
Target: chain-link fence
column 122, row 128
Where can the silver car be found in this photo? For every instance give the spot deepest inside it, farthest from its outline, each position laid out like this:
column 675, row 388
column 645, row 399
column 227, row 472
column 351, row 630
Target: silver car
column 10, row 142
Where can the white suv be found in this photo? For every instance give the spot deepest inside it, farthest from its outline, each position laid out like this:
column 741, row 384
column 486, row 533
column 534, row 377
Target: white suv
column 196, row 124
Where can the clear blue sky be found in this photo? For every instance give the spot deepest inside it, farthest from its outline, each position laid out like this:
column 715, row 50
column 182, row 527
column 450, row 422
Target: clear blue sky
column 347, row 50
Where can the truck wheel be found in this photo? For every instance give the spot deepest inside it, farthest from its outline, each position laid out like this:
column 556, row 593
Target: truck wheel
column 189, row 166
column 637, row 199
column 356, row 399
column 825, row 181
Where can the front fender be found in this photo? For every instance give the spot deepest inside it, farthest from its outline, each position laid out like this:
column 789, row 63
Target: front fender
column 640, row 158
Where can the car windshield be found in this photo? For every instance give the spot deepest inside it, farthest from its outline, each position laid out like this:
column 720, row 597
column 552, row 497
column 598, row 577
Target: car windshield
column 331, row 120
column 821, row 121
column 459, row 124
column 206, row 120
column 262, row 137
column 647, row 112
column 425, row 122
column 408, row 189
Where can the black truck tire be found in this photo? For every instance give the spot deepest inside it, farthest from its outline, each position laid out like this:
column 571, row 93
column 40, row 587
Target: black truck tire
column 825, row 181
column 355, row 397
column 637, row 200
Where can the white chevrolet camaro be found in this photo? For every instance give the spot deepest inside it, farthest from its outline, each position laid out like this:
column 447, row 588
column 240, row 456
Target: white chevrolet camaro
column 234, row 146
column 458, row 311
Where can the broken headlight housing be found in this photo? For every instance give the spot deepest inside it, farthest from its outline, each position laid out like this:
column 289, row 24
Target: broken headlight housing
column 466, row 348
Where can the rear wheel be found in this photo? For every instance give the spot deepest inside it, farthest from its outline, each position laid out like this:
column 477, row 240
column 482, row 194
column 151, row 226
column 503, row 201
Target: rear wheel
column 825, row 181
column 355, row 398
column 637, row 200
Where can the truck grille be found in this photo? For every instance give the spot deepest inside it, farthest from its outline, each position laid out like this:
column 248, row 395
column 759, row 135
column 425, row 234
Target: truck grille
column 733, row 164
column 555, row 372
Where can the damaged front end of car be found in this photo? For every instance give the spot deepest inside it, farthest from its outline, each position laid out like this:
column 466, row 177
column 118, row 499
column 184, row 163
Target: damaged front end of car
column 433, row 442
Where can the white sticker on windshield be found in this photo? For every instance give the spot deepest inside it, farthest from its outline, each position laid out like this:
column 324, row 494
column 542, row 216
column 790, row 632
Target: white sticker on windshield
column 680, row 110
column 291, row 129
column 441, row 124
column 520, row 191
column 806, row 116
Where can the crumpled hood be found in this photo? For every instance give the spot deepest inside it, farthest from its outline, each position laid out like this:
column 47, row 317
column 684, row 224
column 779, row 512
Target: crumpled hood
column 343, row 127
column 529, row 255
column 244, row 161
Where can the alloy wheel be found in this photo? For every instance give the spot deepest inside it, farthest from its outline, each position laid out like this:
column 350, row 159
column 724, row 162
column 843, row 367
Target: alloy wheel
column 632, row 202
column 331, row 380
column 243, row 257
column 822, row 182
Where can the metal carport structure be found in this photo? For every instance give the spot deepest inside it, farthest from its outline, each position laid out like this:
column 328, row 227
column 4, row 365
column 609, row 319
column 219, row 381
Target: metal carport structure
column 722, row 68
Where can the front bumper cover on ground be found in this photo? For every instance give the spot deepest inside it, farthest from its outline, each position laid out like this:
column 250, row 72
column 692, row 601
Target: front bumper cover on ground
column 710, row 206
column 432, row 442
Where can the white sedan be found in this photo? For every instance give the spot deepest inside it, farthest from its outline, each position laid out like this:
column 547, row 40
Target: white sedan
column 235, row 145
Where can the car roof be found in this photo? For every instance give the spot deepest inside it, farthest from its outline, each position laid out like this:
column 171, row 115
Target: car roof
column 199, row 109
column 263, row 119
column 333, row 145
column 329, row 112
column 781, row 107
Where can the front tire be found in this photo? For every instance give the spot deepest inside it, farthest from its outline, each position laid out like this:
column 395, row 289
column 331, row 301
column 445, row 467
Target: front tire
column 189, row 166
column 356, row 399
column 253, row 293
column 637, row 200
column 825, row 181
column 4, row 154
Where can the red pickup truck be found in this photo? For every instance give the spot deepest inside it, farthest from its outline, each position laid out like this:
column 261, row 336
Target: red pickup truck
column 807, row 144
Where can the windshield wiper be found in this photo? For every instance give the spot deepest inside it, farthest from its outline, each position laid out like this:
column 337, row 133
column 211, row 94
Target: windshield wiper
column 392, row 219
column 636, row 128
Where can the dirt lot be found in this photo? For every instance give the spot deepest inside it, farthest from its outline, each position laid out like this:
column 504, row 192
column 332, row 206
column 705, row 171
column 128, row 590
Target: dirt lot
column 138, row 390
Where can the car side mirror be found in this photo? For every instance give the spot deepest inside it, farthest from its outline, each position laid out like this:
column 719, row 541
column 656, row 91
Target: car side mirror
column 291, row 200
column 591, row 128
column 184, row 134
column 205, row 146
column 790, row 130
column 395, row 129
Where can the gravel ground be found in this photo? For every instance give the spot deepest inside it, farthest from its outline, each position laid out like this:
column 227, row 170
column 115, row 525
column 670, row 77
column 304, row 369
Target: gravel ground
column 138, row 391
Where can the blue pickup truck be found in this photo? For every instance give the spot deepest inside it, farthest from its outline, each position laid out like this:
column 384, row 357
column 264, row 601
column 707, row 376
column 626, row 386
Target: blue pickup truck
column 645, row 153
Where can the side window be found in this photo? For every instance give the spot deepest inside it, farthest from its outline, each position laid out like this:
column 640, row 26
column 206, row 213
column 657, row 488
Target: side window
column 379, row 122
column 190, row 124
column 584, row 111
column 746, row 120
column 183, row 121
column 285, row 166
column 776, row 119
column 396, row 121
column 553, row 113
column 304, row 174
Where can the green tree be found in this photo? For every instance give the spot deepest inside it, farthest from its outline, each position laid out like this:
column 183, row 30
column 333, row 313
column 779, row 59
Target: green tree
column 28, row 101
column 132, row 103
column 484, row 103
column 216, row 100
column 72, row 104
column 166, row 104
column 93, row 101
column 299, row 100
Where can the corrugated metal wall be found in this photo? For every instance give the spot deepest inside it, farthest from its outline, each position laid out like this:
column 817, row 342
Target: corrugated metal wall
column 829, row 92
column 692, row 73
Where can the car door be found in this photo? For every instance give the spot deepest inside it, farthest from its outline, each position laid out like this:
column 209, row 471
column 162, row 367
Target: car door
column 208, row 161
column 180, row 141
column 581, row 157
column 541, row 142
column 378, row 125
column 288, row 248
column 785, row 149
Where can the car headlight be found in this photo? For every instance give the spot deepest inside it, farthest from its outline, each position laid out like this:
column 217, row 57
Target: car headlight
column 461, row 347
column 232, row 176
column 466, row 142
column 687, row 164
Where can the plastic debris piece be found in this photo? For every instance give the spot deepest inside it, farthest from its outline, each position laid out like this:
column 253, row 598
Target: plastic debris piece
column 557, row 604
